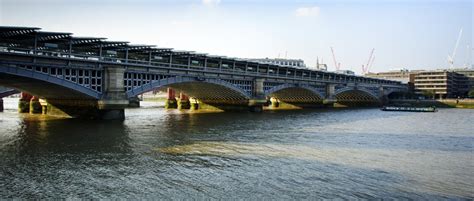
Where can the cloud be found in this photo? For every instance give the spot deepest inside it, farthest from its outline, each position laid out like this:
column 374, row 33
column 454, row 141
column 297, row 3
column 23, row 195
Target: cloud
column 211, row 2
column 308, row 11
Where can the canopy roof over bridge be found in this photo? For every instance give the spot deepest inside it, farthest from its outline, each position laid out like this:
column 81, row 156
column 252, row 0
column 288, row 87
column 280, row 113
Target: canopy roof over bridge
column 32, row 37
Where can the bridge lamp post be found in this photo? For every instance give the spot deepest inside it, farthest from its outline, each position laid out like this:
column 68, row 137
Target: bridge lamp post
column 126, row 54
column 70, row 48
column 171, row 60
column 100, row 51
column 35, row 44
column 149, row 58
column 189, row 61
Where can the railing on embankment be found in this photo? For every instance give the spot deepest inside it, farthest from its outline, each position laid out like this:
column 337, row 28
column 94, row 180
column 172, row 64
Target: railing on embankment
column 443, row 103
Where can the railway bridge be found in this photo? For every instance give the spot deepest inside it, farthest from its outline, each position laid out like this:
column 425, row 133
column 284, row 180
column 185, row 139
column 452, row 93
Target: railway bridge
column 95, row 77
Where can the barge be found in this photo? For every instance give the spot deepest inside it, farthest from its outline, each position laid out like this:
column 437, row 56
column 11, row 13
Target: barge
column 409, row 109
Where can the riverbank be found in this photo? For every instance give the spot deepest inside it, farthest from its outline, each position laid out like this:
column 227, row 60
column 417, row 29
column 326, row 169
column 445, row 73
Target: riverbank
column 444, row 103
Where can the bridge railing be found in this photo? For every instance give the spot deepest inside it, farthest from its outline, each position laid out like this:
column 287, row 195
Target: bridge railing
column 305, row 74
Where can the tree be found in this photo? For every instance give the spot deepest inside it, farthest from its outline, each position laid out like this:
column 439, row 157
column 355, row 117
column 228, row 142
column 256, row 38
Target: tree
column 429, row 93
column 471, row 93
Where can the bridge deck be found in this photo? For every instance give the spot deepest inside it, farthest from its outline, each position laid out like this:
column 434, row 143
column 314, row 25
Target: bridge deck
column 30, row 42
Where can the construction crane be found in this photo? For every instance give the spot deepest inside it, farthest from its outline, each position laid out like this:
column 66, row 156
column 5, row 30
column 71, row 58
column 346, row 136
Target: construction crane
column 469, row 57
column 336, row 65
column 370, row 65
column 452, row 56
column 370, row 61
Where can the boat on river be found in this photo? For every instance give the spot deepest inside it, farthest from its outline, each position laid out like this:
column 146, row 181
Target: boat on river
column 409, row 109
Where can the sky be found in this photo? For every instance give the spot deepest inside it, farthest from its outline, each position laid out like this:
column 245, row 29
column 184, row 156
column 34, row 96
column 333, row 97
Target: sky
column 412, row 34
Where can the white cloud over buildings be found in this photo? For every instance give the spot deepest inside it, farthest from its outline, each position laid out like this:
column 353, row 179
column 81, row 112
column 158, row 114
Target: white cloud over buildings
column 308, row 11
column 211, row 2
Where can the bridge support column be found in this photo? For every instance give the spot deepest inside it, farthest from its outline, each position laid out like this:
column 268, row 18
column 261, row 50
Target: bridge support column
column 35, row 106
column 258, row 100
column 44, row 106
column 134, row 102
column 183, row 102
column 383, row 98
column 114, row 101
column 194, row 104
column 24, row 103
column 330, row 98
column 275, row 102
column 171, row 102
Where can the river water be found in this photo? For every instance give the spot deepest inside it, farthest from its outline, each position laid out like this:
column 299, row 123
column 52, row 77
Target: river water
column 305, row 154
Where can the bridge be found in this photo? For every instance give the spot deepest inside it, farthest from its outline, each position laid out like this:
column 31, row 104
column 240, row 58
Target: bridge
column 95, row 77
column 4, row 92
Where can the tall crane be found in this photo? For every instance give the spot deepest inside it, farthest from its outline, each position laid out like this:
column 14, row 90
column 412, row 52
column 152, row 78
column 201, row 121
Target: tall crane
column 370, row 65
column 365, row 69
column 452, row 56
column 337, row 65
column 469, row 57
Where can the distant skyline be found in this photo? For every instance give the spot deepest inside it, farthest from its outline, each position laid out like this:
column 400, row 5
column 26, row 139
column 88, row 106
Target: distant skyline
column 405, row 33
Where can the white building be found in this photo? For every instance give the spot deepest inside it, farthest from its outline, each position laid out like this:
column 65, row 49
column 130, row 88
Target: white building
column 296, row 63
column 346, row 72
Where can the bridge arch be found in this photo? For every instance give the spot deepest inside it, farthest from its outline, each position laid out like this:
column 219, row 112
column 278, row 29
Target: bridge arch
column 202, row 89
column 44, row 85
column 7, row 92
column 395, row 92
column 356, row 96
column 295, row 93
column 357, row 90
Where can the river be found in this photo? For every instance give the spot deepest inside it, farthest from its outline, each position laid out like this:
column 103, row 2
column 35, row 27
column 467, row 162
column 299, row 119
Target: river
column 301, row 154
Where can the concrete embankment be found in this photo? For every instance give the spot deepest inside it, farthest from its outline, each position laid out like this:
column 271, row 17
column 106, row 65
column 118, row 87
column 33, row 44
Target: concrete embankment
column 444, row 103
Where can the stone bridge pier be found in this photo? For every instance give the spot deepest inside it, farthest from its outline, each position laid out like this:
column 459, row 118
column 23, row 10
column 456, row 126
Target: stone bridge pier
column 50, row 95
column 114, row 99
column 258, row 99
column 110, row 104
column 330, row 98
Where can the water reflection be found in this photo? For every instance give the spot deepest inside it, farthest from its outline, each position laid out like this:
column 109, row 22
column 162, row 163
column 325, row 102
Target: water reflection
column 345, row 154
column 410, row 163
column 39, row 134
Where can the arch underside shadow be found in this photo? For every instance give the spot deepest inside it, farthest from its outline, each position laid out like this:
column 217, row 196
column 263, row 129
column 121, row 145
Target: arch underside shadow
column 210, row 91
column 397, row 93
column 356, row 98
column 297, row 95
column 62, row 99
